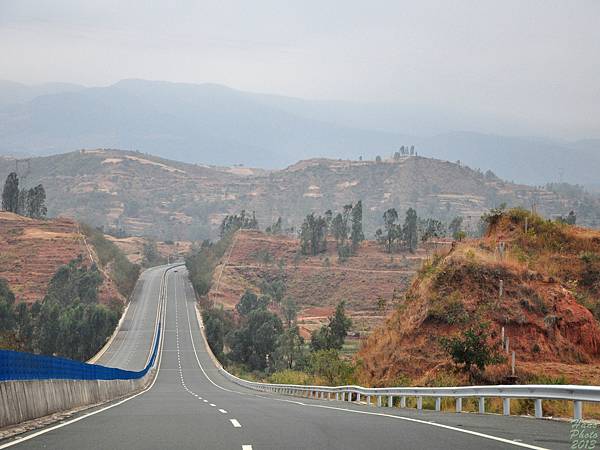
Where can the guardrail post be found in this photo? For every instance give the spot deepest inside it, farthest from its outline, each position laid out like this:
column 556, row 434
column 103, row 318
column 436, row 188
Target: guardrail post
column 539, row 413
column 578, row 410
column 368, row 400
column 481, row 405
column 337, row 396
column 379, row 400
column 403, row 402
column 506, row 406
column 390, row 401
column 458, row 404
column 419, row 402
column 343, row 396
column 438, row 404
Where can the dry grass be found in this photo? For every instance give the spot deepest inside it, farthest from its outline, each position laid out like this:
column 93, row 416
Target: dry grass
column 544, row 309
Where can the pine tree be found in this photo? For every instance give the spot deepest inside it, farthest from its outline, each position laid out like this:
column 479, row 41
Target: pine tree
column 22, row 202
column 10, row 194
column 357, row 235
column 389, row 221
column 410, row 229
column 36, row 202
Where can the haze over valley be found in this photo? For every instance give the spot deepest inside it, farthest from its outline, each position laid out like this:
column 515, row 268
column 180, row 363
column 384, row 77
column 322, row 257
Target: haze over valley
column 214, row 124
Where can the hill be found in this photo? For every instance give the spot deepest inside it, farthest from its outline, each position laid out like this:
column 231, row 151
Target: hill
column 169, row 200
column 31, row 251
column 316, row 283
column 548, row 305
column 209, row 123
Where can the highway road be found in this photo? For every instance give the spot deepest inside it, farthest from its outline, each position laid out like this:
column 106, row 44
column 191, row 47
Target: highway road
column 192, row 406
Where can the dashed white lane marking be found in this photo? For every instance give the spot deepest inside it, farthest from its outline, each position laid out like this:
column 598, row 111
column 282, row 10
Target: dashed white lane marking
column 246, row 447
column 234, row 422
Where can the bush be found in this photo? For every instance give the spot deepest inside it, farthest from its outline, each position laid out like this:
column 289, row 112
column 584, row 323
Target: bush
column 471, row 350
column 291, row 377
column 327, row 364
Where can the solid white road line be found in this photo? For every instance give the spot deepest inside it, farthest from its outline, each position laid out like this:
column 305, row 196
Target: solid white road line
column 246, row 447
column 235, row 423
column 408, row 419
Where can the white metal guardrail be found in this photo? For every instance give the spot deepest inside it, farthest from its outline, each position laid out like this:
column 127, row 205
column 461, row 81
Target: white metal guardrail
column 379, row 396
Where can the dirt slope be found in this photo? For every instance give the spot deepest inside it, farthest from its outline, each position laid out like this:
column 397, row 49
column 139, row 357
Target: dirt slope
column 316, row 283
column 32, row 250
column 550, row 279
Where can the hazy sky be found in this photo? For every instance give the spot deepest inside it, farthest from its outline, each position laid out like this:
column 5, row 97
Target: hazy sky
column 534, row 61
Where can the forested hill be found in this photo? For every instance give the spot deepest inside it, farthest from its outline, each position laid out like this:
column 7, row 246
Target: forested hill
column 142, row 194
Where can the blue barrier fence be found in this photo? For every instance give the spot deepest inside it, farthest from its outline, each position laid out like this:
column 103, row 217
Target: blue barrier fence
column 27, row 366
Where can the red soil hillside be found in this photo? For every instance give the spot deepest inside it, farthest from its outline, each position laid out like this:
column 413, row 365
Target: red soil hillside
column 317, row 283
column 32, row 250
column 549, row 305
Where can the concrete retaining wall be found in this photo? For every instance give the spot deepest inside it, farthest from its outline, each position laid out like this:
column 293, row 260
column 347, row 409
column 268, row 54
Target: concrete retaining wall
column 27, row 400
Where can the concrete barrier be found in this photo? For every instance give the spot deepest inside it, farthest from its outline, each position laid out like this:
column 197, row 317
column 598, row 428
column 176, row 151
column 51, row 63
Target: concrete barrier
column 24, row 400
column 27, row 400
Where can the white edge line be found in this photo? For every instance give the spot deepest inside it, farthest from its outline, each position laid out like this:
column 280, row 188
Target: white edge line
column 19, row 440
column 408, row 419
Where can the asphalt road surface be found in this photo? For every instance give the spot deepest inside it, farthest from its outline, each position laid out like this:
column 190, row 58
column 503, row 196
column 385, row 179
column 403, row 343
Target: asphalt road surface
column 192, row 406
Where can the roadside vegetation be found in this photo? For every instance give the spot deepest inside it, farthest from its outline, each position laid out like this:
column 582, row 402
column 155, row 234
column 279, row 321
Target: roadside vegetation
column 260, row 339
column 122, row 271
column 67, row 322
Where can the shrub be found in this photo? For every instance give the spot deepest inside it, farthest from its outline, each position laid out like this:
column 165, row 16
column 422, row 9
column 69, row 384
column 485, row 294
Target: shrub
column 291, row 377
column 328, row 365
column 472, row 349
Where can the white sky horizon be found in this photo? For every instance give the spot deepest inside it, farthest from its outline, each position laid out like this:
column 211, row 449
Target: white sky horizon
column 534, row 62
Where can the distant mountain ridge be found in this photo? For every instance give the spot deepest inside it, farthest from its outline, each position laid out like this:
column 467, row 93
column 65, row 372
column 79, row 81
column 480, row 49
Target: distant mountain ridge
column 214, row 124
column 147, row 195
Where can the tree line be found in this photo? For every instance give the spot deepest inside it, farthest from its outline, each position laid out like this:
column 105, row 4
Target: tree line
column 67, row 322
column 396, row 235
column 346, row 227
column 256, row 339
column 25, row 202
